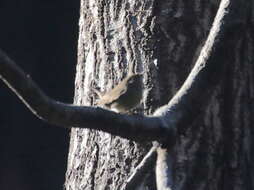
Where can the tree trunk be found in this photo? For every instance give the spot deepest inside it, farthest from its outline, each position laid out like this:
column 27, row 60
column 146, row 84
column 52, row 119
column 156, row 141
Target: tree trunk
column 162, row 39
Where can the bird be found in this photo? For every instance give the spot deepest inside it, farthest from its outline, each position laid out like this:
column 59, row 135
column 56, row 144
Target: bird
column 124, row 96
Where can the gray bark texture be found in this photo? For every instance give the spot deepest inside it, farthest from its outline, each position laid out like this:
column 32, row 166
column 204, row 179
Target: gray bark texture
column 163, row 39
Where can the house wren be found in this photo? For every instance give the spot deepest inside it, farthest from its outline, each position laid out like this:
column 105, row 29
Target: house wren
column 124, row 96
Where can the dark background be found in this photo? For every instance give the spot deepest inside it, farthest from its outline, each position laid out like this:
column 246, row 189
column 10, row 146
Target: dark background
column 41, row 36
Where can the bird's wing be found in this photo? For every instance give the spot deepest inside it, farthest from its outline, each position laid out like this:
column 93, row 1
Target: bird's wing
column 111, row 96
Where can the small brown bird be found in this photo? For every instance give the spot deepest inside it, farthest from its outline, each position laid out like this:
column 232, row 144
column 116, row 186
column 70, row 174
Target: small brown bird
column 124, row 96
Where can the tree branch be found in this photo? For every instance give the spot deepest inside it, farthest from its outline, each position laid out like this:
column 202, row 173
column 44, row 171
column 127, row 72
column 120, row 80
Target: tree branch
column 164, row 169
column 195, row 92
column 181, row 110
column 144, row 167
column 138, row 128
column 184, row 107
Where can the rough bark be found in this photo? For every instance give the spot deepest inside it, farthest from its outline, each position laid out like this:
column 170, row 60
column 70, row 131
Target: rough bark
column 112, row 36
column 111, row 42
column 163, row 38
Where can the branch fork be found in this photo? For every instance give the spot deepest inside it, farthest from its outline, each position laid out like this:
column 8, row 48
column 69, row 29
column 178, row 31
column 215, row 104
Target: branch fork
column 166, row 122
